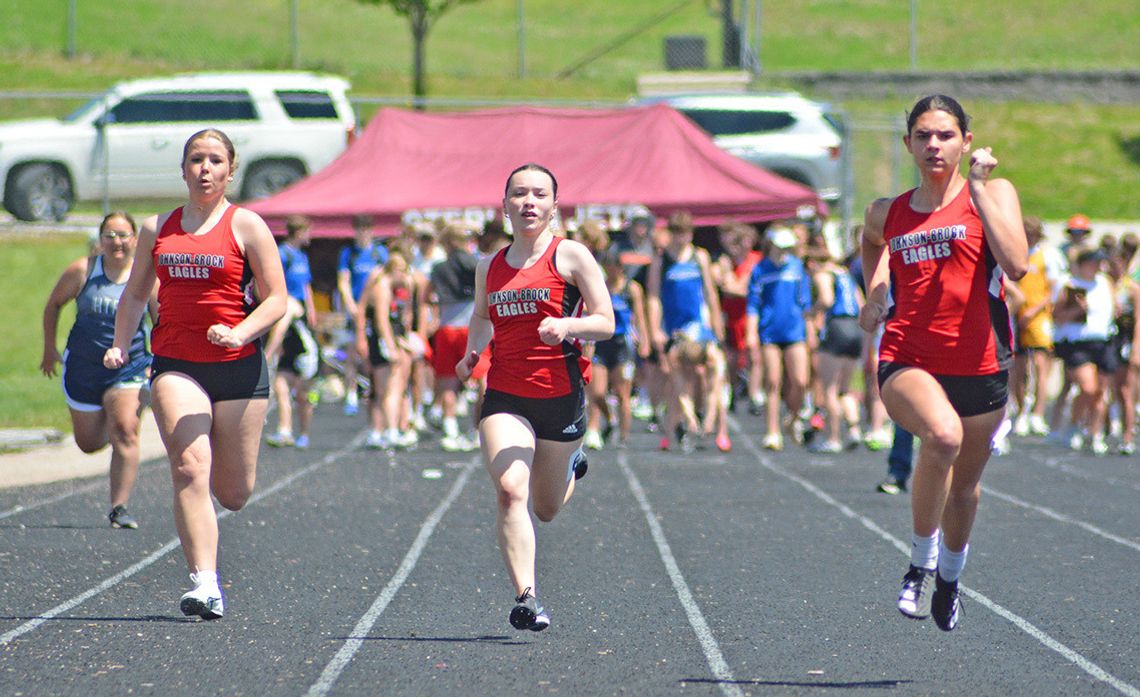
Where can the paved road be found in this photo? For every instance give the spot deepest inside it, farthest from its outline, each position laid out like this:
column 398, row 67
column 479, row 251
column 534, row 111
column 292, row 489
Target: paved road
column 751, row 573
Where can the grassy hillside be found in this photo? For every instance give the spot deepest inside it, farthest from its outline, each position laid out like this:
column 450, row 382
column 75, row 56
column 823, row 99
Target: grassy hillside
column 1063, row 157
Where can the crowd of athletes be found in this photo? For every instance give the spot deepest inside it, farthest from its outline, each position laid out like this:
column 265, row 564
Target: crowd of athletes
column 756, row 318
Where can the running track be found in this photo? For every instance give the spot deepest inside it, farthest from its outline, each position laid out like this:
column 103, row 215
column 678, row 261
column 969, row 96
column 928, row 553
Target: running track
column 355, row 572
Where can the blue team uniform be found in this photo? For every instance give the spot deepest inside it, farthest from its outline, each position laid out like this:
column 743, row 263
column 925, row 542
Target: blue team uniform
column 779, row 296
column 297, row 272
column 683, row 306
column 359, row 262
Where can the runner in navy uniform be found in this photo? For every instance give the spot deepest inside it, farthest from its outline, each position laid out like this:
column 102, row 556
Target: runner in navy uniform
column 104, row 404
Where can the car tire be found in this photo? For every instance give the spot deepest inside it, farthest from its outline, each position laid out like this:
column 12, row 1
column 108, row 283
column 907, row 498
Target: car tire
column 269, row 177
column 39, row 192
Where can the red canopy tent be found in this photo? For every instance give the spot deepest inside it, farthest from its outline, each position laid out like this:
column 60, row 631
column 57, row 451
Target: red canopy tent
column 410, row 166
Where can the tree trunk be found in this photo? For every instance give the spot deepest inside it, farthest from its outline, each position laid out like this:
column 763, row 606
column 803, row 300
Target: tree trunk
column 419, row 41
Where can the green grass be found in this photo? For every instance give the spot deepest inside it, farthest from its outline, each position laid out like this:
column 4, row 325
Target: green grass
column 1061, row 157
column 31, row 268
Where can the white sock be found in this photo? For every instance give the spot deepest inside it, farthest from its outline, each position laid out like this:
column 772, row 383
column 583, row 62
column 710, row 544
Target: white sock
column 924, row 550
column 204, row 578
column 950, row 564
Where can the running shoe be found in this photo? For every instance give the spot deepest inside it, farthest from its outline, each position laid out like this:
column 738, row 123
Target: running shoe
column 580, row 464
column 723, row 444
column 914, row 597
column 1037, row 425
column 528, row 614
column 281, row 439
column 773, row 441
column 891, row 485
column 1126, row 449
column 593, row 440
column 664, row 444
column 121, row 519
column 825, row 447
column 1021, row 425
column 755, row 406
column 302, row 441
column 204, row 601
column 854, row 439
column 945, row 606
column 406, row 439
column 1099, row 446
column 688, row 444
column 1077, row 440
column 376, row 440
column 458, row 443
column 877, row 440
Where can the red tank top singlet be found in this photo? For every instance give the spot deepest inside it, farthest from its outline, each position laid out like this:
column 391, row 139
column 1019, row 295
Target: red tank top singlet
column 517, row 301
column 949, row 315
column 203, row 280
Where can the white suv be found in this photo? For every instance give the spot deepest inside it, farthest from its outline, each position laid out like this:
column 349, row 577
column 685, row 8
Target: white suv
column 127, row 143
column 784, row 133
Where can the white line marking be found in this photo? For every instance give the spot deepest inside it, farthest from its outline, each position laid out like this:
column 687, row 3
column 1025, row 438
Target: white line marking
column 20, row 508
column 719, row 667
column 102, row 482
column 165, row 549
column 1061, row 518
column 1020, row 622
column 352, row 645
column 1056, row 464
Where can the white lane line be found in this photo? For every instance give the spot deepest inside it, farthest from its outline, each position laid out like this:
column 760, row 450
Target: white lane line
column 1061, row 518
column 1020, row 622
column 1056, row 464
column 721, row 672
column 352, row 645
column 166, row 549
column 22, row 507
column 102, row 482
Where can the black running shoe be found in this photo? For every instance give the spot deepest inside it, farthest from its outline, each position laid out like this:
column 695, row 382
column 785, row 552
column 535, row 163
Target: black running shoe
column 914, row 597
column 121, row 519
column 580, row 465
column 945, row 606
column 528, row 614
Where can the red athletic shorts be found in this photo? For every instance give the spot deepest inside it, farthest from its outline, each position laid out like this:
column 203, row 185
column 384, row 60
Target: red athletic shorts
column 448, row 346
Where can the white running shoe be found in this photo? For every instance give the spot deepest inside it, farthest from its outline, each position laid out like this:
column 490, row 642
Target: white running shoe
column 376, row 440
column 204, row 601
column 1037, row 425
column 1021, row 426
column 405, row 439
column 458, row 443
column 593, row 440
column 773, row 441
column 281, row 439
column 1099, row 446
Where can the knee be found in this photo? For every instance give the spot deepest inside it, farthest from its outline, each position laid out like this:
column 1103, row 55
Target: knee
column 944, row 438
column 90, row 445
column 545, row 513
column 513, row 490
column 233, row 499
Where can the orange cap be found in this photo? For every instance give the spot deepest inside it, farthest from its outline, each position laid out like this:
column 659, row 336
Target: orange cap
column 1078, row 223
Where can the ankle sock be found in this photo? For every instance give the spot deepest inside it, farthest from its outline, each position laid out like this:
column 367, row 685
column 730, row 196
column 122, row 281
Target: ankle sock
column 950, row 564
column 924, row 550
